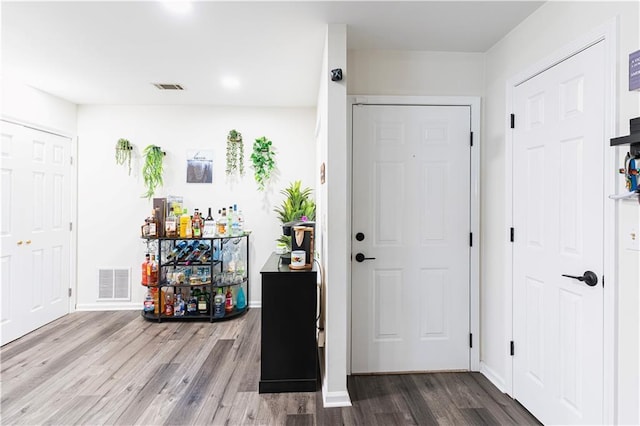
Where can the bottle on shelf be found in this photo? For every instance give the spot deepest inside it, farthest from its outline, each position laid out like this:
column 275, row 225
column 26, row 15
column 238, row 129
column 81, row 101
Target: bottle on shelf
column 185, row 220
column 147, row 258
column 192, row 304
column 179, row 306
column 241, row 300
column 219, row 304
column 222, row 223
column 156, row 304
column 240, row 223
column 228, row 304
column 150, row 227
column 149, row 305
column 209, row 225
column 152, row 272
column 177, row 249
column 203, row 307
column 168, row 305
column 230, row 221
column 171, row 224
column 196, row 224
column 186, row 252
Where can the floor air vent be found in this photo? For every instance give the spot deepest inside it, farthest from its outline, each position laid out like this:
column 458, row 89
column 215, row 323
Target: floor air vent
column 114, row 284
column 168, row 86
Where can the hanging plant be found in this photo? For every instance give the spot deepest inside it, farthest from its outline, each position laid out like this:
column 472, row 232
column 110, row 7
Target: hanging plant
column 152, row 169
column 263, row 159
column 123, row 153
column 235, row 153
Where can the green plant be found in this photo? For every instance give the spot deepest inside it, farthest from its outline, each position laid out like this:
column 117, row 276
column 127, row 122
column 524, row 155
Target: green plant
column 263, row 159
column 123, row 153
column 235, row 153
column 297, row 205
column 152, row 169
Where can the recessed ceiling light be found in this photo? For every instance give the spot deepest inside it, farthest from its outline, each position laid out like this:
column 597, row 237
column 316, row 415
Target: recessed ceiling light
column 230, row 82
column 178, row 6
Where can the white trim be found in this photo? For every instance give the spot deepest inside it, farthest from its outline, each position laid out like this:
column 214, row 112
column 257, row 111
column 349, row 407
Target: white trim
column 474, row 262
column 110, row 306
column 493, row 377
column 335, row 399
column 255, row 304
column 606, row 33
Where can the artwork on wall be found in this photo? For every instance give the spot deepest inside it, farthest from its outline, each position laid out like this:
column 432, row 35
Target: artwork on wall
column 200, row 166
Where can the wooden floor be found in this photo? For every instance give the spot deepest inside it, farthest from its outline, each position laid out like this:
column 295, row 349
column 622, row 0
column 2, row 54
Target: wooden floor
column 94, row 368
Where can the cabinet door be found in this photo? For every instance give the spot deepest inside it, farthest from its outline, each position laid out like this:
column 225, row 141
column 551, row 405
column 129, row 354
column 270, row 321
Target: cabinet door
column 35, row 232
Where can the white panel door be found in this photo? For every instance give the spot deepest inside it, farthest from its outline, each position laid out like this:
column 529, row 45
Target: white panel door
column 35, row 231
column 558, row 202
column 411, row 192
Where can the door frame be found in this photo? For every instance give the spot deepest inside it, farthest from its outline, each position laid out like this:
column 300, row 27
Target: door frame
column 473, row 102
column 73, row 199
column 606, row 34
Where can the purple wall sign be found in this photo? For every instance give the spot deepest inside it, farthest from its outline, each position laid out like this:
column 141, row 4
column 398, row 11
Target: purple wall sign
column 634, row 71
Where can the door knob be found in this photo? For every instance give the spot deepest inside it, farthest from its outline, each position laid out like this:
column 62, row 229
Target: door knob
column 361, row 257
column 28, row 241
column 19, row 242
column 589, row 278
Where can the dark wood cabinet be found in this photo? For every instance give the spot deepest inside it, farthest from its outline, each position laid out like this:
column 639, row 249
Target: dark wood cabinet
column 289, row 353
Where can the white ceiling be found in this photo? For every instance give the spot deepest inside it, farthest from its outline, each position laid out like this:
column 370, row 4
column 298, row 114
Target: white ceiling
column 112, row 52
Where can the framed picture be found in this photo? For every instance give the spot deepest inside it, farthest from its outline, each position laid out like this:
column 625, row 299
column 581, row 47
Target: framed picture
column 200, row 166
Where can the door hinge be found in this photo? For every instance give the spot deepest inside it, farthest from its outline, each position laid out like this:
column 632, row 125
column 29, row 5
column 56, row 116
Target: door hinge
column 513, row 121
column 70, row 291
column 603, row 281
column 471, row 139
column 70, row 226
column 71, row 160
column 470, row 239
column 512, row 350
column 512, row 233
column 471, row 340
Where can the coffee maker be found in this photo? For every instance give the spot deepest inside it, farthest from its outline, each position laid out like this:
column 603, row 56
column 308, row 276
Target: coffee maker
column 302, row 235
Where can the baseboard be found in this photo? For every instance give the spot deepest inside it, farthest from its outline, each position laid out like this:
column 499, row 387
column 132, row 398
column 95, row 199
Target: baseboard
column 334, row 399
column 255, row 304
column 494, row 378
column 110, row 306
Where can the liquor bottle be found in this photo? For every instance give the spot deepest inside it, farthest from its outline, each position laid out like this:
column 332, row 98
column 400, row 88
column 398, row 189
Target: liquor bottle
column 202, row 304
column 152, row 224
column 179, row 306
column 222, row 223
column 156, row 304
column 240, row 223
column 185, row 219
column 168, row 305
column 230, row 221
column 149, row 306
column 196, row 224
column 209, row 225
column 228, row 304
column 192, row 304
column 196, row 251
column 218, row 304
column 152, row 272
column 147, row 257
column 171, row 224
column 241, row 300
column 189, row 230
column 177, row 249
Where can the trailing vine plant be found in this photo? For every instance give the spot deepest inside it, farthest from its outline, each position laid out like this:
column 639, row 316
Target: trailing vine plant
column 123, row 153
column 152, row 169
column 263, row 159
column 235, row 153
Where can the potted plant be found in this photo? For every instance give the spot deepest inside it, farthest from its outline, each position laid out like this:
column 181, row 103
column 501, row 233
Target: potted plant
column 123, row 153
column 297, row 205
column 235, row 153
column 263, row 159
column 152, row 169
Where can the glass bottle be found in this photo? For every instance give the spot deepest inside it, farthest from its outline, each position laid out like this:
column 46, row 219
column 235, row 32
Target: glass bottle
column 202, row 304
column 209, row 225
column 168, row 305
column 218, row 304
column 149, row 305
column 171, row 224
column 228, row 303
column 185, row 220
column 222, row 223
column 196, row 224
column 152, row 272
column 145, row 281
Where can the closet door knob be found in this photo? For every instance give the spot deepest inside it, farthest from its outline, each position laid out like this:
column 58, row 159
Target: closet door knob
column 20, row 242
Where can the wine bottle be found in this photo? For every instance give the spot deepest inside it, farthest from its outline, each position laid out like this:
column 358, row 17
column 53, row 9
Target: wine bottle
column 179, row 247
column 209, row 225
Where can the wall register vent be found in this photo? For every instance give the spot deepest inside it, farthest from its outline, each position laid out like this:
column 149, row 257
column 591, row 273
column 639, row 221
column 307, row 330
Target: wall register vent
column 168, row 86
column 114, row 284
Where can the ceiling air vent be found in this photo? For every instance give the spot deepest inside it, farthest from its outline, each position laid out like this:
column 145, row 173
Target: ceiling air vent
column 168, row 86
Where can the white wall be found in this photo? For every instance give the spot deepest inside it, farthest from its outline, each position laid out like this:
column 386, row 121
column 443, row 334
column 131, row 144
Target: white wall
column 110, row 207
column 399, row 72
column 335, row 215
column 553, row 25
column 37, row 108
